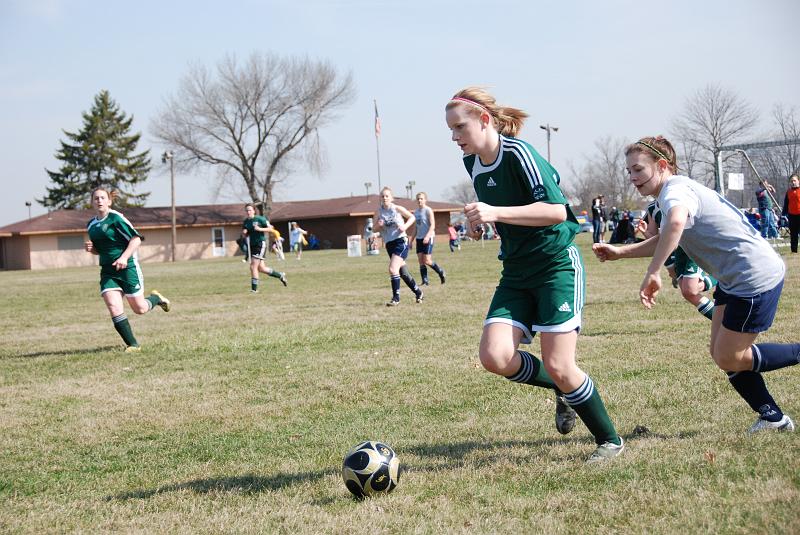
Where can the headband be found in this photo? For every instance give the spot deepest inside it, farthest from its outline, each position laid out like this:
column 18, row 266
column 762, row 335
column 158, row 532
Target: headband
column 652, row 148
column 472, row 102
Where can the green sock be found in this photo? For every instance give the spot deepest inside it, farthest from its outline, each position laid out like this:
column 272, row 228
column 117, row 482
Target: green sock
column 254, row 284
column 276, row 274
column 706, row 307
column 532, row 372
column 587, row 403
column 154, row 301
column 124, row 329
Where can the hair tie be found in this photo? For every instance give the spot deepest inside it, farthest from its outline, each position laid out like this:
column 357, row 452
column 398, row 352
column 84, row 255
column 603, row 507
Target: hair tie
column 652, row 148
column 472, row 102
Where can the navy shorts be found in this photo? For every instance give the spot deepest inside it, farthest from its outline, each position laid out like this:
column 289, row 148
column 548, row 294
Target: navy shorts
column 398, row 247
column 423, row 248
column 749, row 314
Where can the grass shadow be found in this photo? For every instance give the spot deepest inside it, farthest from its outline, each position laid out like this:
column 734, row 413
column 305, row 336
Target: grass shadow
column 247, row 484
column 60, row 352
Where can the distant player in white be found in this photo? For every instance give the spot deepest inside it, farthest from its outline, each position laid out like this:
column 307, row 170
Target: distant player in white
column 718, row 237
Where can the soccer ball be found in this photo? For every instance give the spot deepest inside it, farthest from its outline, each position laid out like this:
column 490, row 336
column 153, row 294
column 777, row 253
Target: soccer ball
column 371, row 468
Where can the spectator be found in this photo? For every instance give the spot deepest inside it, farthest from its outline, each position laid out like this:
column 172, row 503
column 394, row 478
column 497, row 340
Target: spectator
column 603, row 219
column 597, row 219
column 791, row 210
column 614, row 216
column 455, row 243
column 764, row 197
column 753, row 218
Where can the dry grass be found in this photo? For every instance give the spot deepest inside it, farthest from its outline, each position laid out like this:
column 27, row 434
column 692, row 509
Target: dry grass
column 236, row 415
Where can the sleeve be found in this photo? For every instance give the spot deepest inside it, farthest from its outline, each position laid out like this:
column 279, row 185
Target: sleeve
column 785, row 211
column 541, row 179
column 125, row 229
column 680, row 195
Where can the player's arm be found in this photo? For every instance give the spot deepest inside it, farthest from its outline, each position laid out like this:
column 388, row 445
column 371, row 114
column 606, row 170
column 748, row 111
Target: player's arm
column 670, row 235
column 432, row 230
column 407, row 216
column 89, row 246
column 538, row 214
column 122, row 261
column 605, row 251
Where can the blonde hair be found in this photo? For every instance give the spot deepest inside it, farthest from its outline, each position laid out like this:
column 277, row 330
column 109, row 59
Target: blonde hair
column 658, row 148
column 421, row 193
column 112, row 194
column 507, row 120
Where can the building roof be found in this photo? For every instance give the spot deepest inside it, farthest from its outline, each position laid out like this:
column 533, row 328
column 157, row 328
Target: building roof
column 208, row 215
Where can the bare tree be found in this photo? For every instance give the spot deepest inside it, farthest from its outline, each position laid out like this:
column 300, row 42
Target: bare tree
column 776, row 164
column 603, row 171
column 254, row 121
column 713, row 117
column 461, row 193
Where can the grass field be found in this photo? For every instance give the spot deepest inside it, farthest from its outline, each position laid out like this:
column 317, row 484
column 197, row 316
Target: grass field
column 236, row 415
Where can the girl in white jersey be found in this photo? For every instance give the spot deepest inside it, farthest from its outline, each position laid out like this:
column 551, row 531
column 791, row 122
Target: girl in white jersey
column 718, row 237
column 542, row 284
column 392, row 221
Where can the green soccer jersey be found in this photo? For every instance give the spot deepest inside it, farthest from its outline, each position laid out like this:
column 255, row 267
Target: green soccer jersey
column 110, row 237
column 255, row 236
column 520, row 176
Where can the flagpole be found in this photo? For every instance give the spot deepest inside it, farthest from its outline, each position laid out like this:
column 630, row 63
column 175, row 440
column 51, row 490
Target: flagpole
column 377, row 144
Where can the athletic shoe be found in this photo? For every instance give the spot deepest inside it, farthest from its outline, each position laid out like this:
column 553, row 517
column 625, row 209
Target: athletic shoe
column 283, row 278
column 565, row 415
column 133, row 349
column 606, row 451
column 163, row 302
column 784, row 424
column 675, row 282
column 253, row 291
column 425, row 282
column 393, row 303
column 442, row 277
column 420, row 296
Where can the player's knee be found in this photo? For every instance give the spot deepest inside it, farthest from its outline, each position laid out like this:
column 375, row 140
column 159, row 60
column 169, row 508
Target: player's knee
column 560, row 370
column 496, row 358
column 730, row 362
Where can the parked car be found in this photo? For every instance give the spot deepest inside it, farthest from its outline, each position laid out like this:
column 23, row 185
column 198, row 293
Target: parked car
column 585, row 224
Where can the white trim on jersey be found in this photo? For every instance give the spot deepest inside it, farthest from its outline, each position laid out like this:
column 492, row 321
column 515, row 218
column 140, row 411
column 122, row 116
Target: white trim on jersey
column 566, row 327
column 578, row 290
column 524, row 156
column 527, row 337
column 136, row 233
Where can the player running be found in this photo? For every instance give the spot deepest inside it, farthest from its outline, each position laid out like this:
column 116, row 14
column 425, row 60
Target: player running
column 425, row 231
column 392, row 221
column 720, row 239
column 542, row 284
column 115, row 241
column 255, row 228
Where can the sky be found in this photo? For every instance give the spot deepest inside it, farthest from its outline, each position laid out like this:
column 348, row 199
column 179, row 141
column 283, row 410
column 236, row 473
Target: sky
column 592, row 68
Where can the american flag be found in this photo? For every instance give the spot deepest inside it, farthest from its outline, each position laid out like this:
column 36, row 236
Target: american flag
column 377, row 120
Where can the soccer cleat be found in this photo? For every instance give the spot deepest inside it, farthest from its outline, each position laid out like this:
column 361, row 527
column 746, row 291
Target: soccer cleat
column 442, row 277
column 393, row 303
column 133, row 349
column 163, row 302
column 606, row 451
column 784, row 424
column 420, row 296
column 425, row 282
column 565, row 415
column 283, row 278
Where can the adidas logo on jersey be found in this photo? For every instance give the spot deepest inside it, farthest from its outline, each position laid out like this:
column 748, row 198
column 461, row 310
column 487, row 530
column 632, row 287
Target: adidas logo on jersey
column 491, row 182
column 565, row 307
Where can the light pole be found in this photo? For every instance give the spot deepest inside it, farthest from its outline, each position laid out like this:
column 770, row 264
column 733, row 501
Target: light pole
column 28, row 204
column 548, row 128
column 410, row 188
column 169, row 157
column 367, row 185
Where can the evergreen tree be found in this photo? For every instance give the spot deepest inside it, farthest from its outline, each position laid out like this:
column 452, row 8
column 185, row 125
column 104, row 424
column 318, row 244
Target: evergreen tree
column 101, row 154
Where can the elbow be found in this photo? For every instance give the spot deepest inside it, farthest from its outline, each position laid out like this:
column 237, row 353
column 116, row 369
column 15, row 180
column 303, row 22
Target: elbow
column 559, row 214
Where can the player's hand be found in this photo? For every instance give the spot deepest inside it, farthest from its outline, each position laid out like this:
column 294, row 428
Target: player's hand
column 380, row 223
column 641, row 226
column 649, row 289
column 120, row 263
column 604, row 251
column 89, row 246
column 479, row 212
column 425, row 240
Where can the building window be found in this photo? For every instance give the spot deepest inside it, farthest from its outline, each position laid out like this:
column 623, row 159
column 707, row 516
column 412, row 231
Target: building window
column 70, row 243
column 218, row 240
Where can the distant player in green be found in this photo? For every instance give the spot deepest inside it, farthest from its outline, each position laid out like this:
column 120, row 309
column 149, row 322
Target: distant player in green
column 685, row 273
column 542, row 284
column 255, row 229
column 115, row 241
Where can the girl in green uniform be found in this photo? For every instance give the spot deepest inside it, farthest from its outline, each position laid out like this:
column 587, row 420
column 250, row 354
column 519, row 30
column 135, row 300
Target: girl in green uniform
column 115, row 241
column 542, row 283
column 255, row 229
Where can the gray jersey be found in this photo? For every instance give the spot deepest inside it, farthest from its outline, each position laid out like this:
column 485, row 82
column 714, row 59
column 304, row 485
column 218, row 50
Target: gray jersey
column 390, row 217
column 423, row 222
column 720, row 240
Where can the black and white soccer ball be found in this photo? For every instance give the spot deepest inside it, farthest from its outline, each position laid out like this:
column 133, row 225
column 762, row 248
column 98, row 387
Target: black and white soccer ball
column 371, row 468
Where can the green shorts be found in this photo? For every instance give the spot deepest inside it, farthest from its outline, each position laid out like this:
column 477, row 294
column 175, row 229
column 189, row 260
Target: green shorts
column 544, row 299
column 685, row 267
column 129, row 281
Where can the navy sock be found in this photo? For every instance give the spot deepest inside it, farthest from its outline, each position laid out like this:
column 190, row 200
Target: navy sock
column 254, row 284
column 409, row 280
column 423, row 270
column 751, row 386
column 395, row 287
column 531, row 372
column 768, row 357
column 437, row 269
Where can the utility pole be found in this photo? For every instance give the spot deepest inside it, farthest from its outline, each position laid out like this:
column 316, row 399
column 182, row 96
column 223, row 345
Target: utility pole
column 548, row 128
column 169, row 157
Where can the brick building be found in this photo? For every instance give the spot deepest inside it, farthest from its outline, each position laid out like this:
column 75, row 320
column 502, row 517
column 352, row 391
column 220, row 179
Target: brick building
column 56, row 239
